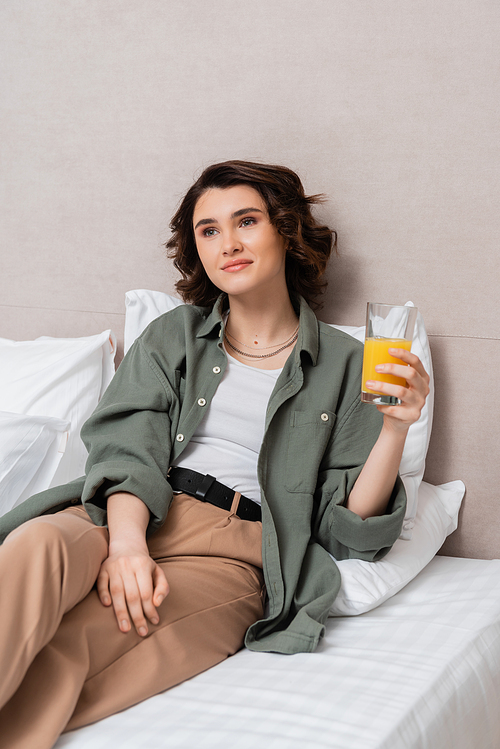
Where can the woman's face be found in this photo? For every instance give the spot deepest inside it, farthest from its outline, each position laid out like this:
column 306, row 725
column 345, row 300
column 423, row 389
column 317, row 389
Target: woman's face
column 238, row 246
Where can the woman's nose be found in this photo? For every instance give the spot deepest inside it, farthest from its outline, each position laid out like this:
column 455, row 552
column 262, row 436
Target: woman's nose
column 230, row 243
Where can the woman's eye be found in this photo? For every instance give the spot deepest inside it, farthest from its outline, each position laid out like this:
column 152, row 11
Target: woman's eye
column 209, row 232
column 248, row 221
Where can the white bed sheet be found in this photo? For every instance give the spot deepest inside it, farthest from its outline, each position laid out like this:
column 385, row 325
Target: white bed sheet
column 422, row 671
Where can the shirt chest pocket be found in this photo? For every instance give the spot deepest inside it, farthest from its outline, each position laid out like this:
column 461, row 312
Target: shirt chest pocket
column 308, row 435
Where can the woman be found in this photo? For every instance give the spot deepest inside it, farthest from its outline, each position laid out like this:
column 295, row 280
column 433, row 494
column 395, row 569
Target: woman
column 244, row 399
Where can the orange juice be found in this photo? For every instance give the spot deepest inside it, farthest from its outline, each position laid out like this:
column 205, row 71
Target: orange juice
column 376, row 353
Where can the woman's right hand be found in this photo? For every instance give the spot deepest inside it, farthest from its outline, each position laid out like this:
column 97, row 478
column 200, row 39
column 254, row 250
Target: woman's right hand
column 129, row 579
column 135, row 585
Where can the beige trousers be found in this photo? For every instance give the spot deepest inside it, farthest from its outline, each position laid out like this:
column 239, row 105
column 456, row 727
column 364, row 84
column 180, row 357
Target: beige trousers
column 64, row 662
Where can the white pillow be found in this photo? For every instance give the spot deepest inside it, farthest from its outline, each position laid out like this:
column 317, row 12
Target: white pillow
column 59, row 377
column 365, row 585
column 143, row 306
column 412, row 464
column 31, row 448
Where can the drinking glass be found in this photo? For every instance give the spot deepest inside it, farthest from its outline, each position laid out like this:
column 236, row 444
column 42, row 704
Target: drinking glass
column 387, row 326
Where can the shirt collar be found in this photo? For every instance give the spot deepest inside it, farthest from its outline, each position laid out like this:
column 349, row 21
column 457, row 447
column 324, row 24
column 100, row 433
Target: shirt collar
column 213, row 320
column 307, row 341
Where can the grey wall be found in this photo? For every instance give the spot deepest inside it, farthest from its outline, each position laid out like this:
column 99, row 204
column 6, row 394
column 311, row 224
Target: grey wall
column 390, row 107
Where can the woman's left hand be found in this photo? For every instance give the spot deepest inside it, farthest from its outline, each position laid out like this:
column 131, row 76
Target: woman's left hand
column 412, row 397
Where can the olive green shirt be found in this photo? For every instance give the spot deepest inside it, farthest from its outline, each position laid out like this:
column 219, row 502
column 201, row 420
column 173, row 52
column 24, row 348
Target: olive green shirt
column 317, row 437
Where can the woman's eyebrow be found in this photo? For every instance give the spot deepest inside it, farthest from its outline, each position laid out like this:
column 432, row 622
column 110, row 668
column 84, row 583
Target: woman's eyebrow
column 204, row 221
column 236, row 214
column 242, row 211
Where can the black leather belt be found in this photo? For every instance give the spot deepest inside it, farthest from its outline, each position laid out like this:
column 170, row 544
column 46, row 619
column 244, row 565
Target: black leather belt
column 207, row 489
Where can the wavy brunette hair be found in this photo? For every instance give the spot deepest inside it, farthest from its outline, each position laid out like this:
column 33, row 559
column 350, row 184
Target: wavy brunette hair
column 308, row 243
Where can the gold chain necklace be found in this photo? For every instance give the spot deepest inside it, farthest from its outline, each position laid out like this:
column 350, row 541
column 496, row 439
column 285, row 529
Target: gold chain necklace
column 262, row 356
column 282, row 346
column 262, row 347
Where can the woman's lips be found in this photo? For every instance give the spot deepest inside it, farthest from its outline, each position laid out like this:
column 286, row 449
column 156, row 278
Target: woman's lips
column 236, row 266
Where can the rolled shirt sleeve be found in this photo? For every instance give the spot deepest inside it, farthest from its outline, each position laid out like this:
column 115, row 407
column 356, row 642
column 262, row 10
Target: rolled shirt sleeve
column 129, row 439
column 342, row 532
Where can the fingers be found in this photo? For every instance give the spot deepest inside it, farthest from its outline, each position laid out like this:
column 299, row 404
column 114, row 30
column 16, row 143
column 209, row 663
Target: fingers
column 411, row 359
column 139, row 600
column 385, row 388
column 135, row 588
column 117, row 590
column 404, row 413
column 414, row 373
column 161, row 587
column 102, row 585
column 412, row 395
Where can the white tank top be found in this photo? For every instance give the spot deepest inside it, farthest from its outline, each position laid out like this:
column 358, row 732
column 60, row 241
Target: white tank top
column 227, row 441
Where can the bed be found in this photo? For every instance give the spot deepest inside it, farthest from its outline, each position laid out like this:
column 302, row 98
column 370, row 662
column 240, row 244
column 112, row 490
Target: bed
column 421, row 670
column 388, row 108
column 411, row 655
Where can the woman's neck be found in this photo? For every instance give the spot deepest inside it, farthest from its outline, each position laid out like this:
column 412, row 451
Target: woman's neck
column 259, row 328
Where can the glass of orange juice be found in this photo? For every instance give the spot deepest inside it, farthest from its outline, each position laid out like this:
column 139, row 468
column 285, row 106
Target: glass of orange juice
column 387, row 326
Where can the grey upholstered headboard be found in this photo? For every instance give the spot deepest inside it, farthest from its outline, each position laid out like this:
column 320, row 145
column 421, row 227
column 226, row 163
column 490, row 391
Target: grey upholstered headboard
column 390, row 109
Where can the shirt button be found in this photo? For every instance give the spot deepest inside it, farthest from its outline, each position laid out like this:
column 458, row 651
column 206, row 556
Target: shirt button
column 324, row 417
column 180, row 438
column 202, row 402
column 216, row 370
